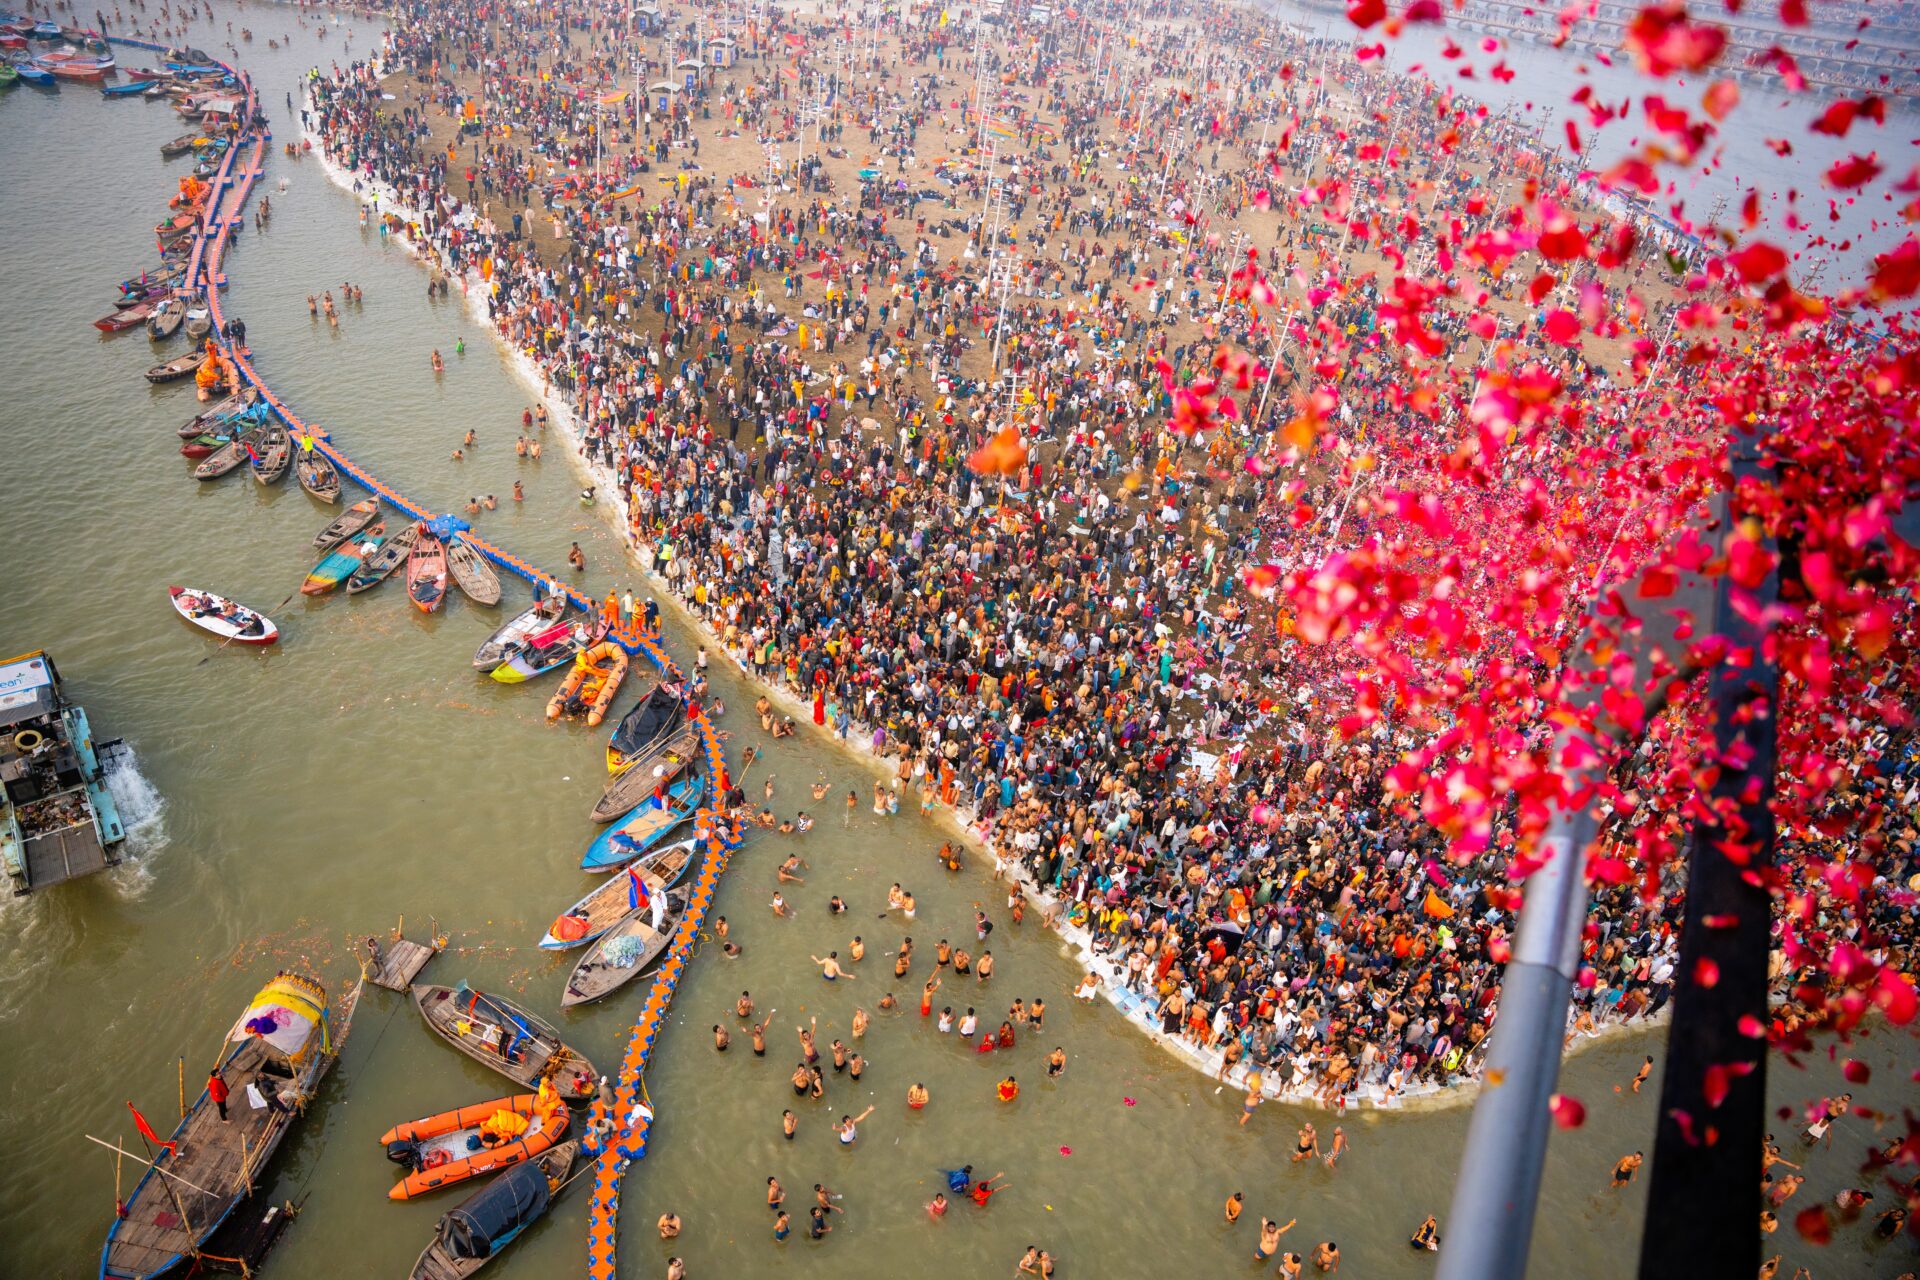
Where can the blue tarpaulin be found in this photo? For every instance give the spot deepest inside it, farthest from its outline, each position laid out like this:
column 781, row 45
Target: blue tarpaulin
column 444, row 527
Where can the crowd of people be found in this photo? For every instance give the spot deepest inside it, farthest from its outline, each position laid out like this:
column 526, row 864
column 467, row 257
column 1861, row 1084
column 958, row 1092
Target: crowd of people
column 791, row 374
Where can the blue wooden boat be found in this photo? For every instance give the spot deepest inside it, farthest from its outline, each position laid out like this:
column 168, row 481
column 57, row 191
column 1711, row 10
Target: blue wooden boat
column 46, row 31
column 34, row 75
column 584, row 921
column 127, row 90
column 645, row 825
column 340, row 564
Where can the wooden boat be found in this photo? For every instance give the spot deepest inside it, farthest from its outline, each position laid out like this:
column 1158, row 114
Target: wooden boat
column 591, row 684
column 168, row 315
column 339, row 564
column 127, row 90
column 204, row 446
column 273, row 455
column 667, row 762
column 626, row 950
column 505, row 641
column 177, row 368
column 449, row 1148
column 199, row 324
column 217, row 413
column 471, row 573
column 232, row 622
column 124, row 317
column 316, row 473
column 543, row 651
column 32, row 74
column 9, row 75
column 645, row 825
column 375, row 568
column 228, row 457
column 427, row 571
column 72, row 69
column 600, row 910
column 351, row 521
column 486, row 1222
column 651, row 722
column 183, row 144
column 498, row 1033
column 285, row 1041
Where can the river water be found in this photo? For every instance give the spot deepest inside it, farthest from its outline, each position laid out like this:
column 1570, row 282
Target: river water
column 293, row 799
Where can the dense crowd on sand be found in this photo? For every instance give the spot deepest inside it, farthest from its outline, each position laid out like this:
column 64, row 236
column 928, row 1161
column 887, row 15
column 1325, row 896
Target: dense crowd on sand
column 786, row 372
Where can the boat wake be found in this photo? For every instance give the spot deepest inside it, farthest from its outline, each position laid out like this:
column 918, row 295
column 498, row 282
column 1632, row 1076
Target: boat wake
column 142, row 815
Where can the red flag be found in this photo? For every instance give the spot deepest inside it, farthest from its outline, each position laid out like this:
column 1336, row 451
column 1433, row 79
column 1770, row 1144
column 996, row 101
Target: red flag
column 146, row 1130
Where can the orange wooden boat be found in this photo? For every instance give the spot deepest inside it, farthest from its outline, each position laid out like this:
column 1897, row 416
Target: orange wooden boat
column 453, row 1146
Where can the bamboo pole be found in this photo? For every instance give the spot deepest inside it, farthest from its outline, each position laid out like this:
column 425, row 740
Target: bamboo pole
column 114, row 1146
column 182, row 1063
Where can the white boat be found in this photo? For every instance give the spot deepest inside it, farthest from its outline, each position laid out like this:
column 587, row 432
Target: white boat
column 221, row 616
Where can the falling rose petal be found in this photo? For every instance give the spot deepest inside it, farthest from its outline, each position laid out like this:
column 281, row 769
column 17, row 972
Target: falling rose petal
column 1713, row 1085
column 1706, row 972
column 1752, row 1027
column 1568, row 1112
column 1128, row 1101
column 1814, row 1224
column 1721, row 98
column 1895, row 996
column 1854, row 171
column 1066, row 1151
column 1856, row 1071
column 1364, row 13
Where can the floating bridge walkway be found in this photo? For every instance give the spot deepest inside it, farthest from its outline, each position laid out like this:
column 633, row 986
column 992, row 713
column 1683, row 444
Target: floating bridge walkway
column 627, row 1119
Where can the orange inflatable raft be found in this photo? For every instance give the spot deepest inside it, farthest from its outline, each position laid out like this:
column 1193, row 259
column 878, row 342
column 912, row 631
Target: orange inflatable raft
column 465, row 1143
column 591, row 683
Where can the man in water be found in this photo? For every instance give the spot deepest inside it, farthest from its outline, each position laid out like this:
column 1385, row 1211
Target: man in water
column 1270, row 1233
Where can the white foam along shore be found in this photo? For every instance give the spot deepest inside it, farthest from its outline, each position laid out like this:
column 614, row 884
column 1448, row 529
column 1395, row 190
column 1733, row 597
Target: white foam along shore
column 1078, row 941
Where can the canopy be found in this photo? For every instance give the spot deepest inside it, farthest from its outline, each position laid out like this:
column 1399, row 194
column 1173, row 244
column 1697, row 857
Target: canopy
column 496, row 1213
column 444, row 527
column 286, row 1014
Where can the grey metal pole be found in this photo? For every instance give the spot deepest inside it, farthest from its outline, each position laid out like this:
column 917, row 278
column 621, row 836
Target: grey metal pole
column 1489, row 1227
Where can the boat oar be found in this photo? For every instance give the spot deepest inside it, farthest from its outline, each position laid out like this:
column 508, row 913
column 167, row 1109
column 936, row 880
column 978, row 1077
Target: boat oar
column 236, row 635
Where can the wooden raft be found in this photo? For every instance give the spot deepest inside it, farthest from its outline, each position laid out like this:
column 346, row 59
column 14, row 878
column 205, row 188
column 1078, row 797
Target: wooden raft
column 401, row 961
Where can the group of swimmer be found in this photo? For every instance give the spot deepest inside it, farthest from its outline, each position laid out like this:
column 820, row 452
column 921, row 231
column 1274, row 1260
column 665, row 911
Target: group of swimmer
column 324, row 303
